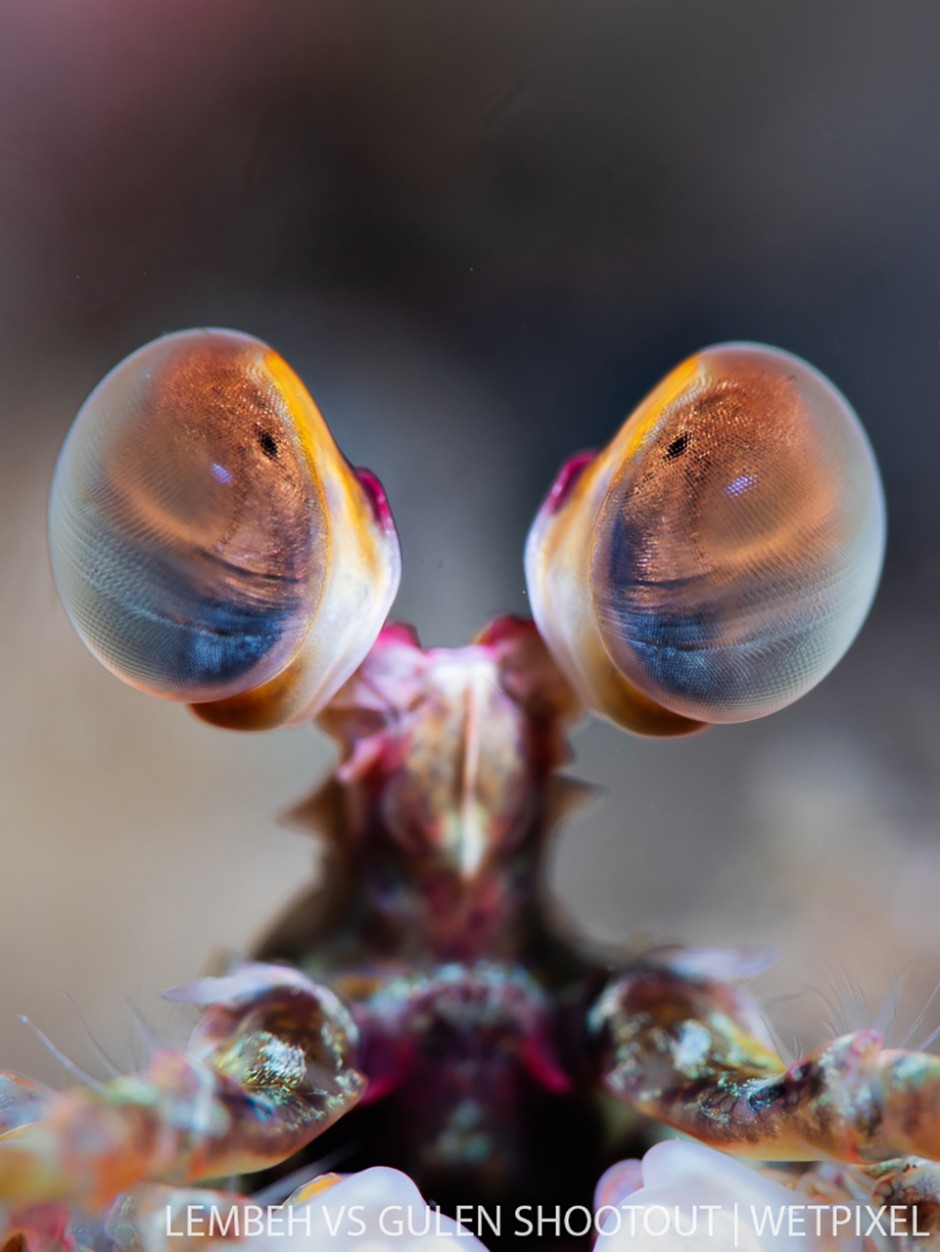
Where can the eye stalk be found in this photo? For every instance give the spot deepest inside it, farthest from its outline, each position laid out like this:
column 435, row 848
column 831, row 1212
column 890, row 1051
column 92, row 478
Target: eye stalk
column 717, row 559
column 208, row 539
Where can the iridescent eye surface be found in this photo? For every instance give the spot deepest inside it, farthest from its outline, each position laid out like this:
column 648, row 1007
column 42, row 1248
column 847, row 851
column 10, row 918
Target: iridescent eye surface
column 208, row 538
column 718, row 558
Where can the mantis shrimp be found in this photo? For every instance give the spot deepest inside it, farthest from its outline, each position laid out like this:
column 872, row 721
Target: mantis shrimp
column 420, row 1009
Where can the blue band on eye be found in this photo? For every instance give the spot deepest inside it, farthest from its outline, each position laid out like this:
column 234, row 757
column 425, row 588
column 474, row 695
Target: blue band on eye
column 699, row 653
column 147, row 616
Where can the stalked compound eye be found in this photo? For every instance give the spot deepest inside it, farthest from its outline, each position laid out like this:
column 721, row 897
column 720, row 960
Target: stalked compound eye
column 209, row 541
column 716, row 560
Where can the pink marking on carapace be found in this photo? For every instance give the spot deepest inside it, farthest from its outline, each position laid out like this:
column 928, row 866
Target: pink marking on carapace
column 568, row 475
column 377, row 497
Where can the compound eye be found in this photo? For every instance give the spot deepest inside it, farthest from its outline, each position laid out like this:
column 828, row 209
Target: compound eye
column 200, row 511
column 728, row 544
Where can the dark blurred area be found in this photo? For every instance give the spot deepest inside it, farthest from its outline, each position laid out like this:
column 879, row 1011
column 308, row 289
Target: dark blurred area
column 480, row 231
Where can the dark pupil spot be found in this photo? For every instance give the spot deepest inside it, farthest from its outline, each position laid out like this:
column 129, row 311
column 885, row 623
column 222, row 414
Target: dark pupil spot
column 677, row 447
column 268, row 444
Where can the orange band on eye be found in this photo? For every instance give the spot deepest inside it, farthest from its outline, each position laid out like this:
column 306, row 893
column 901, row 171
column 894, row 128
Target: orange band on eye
column 209, row 540
column 678, row 384
column 718, row 557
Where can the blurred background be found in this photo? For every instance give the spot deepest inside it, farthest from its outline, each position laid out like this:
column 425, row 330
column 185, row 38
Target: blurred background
column 480, row 231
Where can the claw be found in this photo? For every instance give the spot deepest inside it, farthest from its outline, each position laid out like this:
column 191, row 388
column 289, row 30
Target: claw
column 686, row 1049
column 268, row 1067
column 912, row 1183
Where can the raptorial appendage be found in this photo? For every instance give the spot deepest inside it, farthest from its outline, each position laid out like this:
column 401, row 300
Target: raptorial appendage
column 692, row 1051
column 269, row 1066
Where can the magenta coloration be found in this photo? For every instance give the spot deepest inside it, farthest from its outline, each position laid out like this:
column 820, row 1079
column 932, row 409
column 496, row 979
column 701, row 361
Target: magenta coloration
column 422, row 1008
column 568, row 475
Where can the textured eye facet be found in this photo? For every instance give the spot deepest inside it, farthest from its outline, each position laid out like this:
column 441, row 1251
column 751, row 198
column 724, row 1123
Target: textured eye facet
column 716, row 560
column 209, row 541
